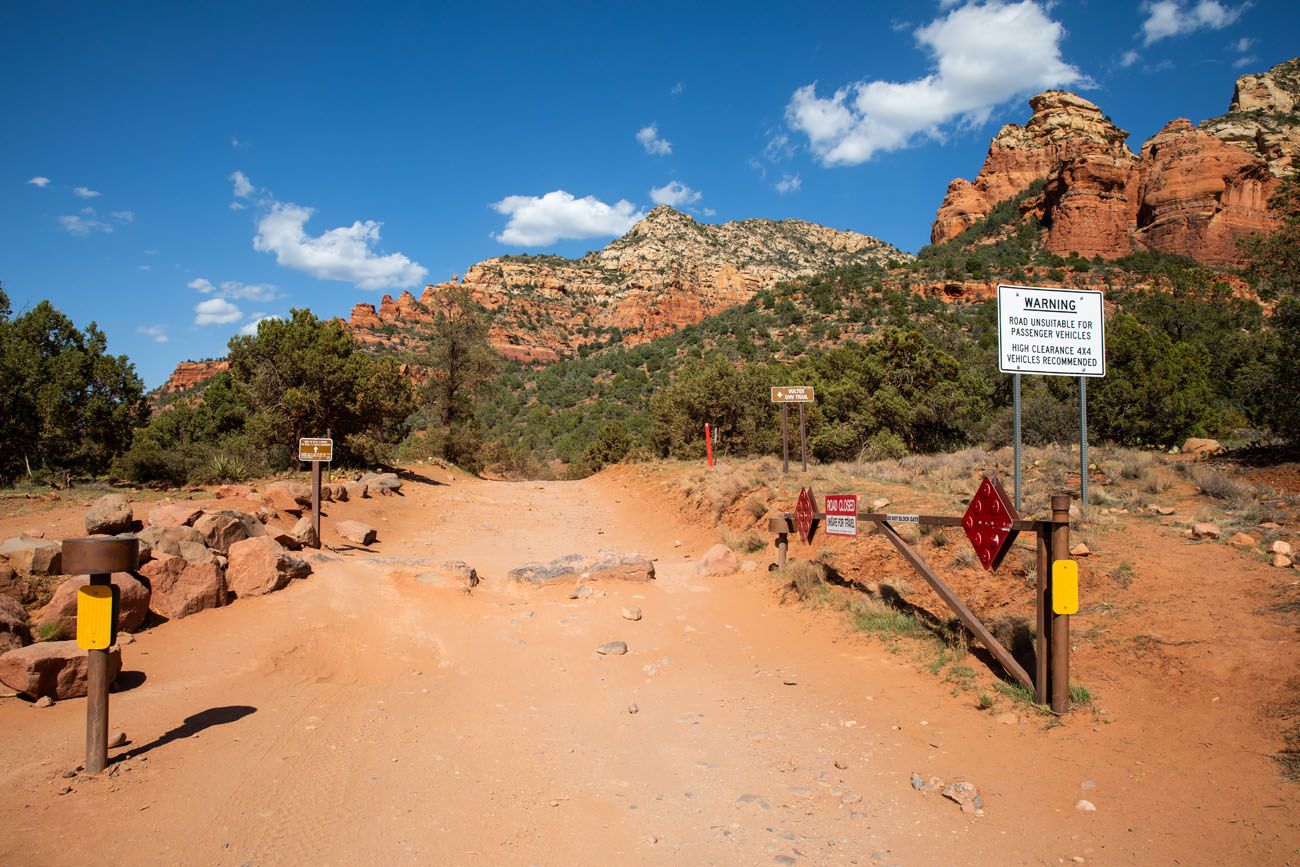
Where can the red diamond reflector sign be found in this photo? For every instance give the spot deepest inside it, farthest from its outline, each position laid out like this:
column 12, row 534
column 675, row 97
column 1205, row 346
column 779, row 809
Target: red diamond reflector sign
column 987, row 523
column 805, row 512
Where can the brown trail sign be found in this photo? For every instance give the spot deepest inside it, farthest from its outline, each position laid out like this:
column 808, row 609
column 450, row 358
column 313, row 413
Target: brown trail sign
column 786, row 395
column 317, row 451
column 991, row 526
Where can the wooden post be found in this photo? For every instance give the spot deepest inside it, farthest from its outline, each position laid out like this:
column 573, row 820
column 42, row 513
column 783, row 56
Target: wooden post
column 1060, row 675
column 1043, row 605
column 803, row 439
column 97, row 700
column 315, row 500
column 782, row 549
column 785, row 438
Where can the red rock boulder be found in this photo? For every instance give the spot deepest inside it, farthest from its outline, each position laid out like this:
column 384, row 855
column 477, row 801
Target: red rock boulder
column 133, row 608
column 52, row 668
column 262, row 565
column 14, row 630
column 174, row 515
column 180, row 587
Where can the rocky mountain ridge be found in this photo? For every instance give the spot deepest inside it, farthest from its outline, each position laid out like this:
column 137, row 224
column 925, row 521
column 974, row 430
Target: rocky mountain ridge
column 1194, row 191
column 667, row 272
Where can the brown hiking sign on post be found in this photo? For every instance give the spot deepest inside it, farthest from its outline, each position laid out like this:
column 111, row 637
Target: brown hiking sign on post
column 786, row 395
column 991, row 523
column 317, row 451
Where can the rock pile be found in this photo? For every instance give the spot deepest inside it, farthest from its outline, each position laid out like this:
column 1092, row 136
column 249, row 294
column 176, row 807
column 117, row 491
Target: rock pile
column 191, row 559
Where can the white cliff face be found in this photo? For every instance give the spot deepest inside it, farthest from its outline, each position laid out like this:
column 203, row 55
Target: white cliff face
column 1264, row 117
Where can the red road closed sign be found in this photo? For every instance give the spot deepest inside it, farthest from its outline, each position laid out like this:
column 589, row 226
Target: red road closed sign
column 842, row 514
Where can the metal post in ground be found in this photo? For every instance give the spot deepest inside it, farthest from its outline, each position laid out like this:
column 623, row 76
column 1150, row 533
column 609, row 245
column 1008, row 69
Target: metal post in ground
column 1015, row 428
column 1060, row 623
column 1083, row 447
column 1043, row 604
column 97, row 611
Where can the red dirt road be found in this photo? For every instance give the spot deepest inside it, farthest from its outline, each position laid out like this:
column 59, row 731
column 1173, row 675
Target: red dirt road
column 362, row 717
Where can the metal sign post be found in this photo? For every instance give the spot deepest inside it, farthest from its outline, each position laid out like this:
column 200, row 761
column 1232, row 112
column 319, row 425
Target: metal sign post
column 316, row 451
column 786, row 395
column 1015, row 428
column 97, row 611
column 1052, row 332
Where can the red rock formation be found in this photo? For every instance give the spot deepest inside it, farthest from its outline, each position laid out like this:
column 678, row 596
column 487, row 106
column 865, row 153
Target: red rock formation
column 1200, row 195
column 1091, row 205
column 363, row 316
column 1191, row 192
column 667, row 272
column 191, row 374
column 1062, row 127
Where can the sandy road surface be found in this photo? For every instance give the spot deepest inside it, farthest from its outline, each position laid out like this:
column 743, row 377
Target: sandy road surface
column 362, row 717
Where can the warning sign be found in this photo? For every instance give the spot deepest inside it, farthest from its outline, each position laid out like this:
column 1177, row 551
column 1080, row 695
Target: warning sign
column 1057, row 332
column 792, row 394
column 841, row 514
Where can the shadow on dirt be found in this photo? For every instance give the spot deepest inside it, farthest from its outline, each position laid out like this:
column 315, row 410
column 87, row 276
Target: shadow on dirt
column 192, row 725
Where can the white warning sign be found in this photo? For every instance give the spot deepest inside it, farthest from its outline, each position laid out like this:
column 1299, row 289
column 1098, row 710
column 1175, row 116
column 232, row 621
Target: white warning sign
column 1057, row 332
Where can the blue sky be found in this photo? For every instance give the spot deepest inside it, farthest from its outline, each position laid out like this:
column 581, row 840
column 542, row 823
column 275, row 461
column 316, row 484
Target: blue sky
column 175, row 170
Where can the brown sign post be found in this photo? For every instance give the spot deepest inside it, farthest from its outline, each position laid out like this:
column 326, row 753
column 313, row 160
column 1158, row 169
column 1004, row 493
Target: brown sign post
column 786, row 395
column 316, row 451
column 97, row 632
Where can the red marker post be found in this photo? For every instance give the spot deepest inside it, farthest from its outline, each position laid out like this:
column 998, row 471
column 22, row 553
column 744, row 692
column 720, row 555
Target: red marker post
column 708, row 444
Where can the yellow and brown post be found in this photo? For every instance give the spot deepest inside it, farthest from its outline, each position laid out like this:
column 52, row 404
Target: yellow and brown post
column 97, row 612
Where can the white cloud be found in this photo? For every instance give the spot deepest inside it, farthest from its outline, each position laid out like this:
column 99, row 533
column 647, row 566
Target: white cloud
column 151, row 252
column 1168, row 18
column 677, row 89
column 1244, row 60
column 216, row 311
column 157, row 332
column 345, row 253
column 244, row 190
column 85, row 192
column 243, row 186
column 788, row 184
column 984, row 55
column 778, row 148
column 235, row 289
column 653, row 144
column 1129, row 58
column 537, row 220
column 674, row 194
column 84, row 223
column 238, row 144
column 123, row 216
column 709, row 212
column 39, row 181
column 250, row 329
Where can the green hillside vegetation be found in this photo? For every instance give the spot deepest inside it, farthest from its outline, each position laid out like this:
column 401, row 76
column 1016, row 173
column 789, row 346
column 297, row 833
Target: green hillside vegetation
column 901, row 372
column 897, row 370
